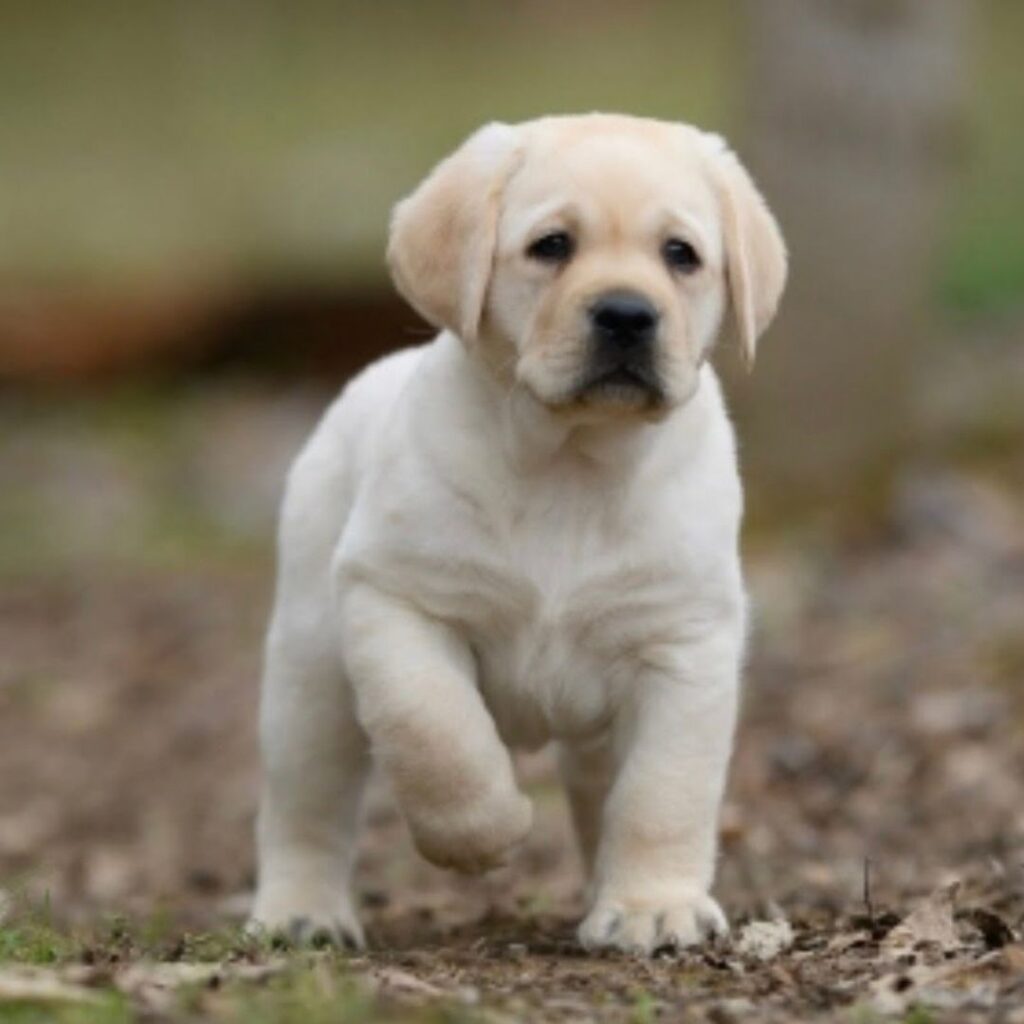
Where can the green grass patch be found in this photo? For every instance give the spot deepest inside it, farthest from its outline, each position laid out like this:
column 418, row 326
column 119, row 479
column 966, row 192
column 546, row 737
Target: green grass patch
column 109, row 1008
column 35, row 943
column 28, row 934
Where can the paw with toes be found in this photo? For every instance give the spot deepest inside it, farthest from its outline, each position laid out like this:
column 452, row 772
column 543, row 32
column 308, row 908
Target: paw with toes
column 306, row 923
column 302, row 933
column 644, row 928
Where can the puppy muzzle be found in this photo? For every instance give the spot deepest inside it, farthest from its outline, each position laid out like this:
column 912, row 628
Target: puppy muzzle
column 622, row 359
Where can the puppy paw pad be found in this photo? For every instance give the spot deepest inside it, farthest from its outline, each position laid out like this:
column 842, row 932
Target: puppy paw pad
column 302, row 932
column 645, row 930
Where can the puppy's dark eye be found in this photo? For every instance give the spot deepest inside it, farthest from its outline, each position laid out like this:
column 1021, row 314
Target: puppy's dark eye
column 680, row 255
column 555, row 247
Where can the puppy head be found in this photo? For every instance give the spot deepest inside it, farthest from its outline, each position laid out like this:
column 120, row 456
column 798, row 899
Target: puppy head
column 592, row 259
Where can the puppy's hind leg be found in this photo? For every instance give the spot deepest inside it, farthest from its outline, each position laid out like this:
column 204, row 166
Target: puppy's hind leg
column 315, row 762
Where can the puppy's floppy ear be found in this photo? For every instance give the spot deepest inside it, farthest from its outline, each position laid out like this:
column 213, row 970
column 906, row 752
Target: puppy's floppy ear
column 441, row 247
column 754, row 248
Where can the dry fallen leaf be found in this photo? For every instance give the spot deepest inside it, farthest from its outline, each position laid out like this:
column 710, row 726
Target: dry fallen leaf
column 765, row 940
column 974, row 983
column 156, row 985
column 931, row 921
column 398, row 982
column 34, row 984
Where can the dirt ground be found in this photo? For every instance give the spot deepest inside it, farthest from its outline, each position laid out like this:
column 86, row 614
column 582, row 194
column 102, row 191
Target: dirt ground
column 873, row 837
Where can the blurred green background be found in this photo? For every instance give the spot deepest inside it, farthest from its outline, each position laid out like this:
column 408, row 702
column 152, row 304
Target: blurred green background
column 194, row 199
column 267, row 141
column 264, row 142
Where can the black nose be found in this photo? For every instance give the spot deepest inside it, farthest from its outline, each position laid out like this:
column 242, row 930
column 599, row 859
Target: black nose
column 625, row 318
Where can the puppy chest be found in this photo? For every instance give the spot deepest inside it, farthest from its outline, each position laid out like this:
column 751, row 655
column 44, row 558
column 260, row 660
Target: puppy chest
column 541, row 683
column 561, row 669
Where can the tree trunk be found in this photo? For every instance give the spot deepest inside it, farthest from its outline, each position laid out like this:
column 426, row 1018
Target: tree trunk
column 853, row 106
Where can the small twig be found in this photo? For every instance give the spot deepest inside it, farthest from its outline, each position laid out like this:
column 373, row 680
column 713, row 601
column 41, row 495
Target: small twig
column 868, row 904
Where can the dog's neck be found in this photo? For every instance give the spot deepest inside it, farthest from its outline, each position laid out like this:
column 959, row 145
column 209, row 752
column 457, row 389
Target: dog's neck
column 536, row 436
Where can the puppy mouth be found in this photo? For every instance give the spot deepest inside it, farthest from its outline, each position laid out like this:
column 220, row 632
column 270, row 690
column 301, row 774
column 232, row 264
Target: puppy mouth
column 633, row 385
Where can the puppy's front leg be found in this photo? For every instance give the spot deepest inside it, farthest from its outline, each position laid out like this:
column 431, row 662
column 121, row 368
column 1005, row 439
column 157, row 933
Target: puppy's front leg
column 656, row 857
column 418, row 701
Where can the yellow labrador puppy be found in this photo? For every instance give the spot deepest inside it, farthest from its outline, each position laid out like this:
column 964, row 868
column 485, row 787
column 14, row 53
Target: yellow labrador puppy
column 526, row 531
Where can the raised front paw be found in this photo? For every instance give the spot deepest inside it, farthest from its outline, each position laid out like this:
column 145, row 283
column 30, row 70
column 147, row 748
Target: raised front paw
column 642, row 926
column 476, row 836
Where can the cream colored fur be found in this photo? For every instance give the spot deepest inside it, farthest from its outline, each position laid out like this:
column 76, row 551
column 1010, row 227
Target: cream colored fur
column 476, row 556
